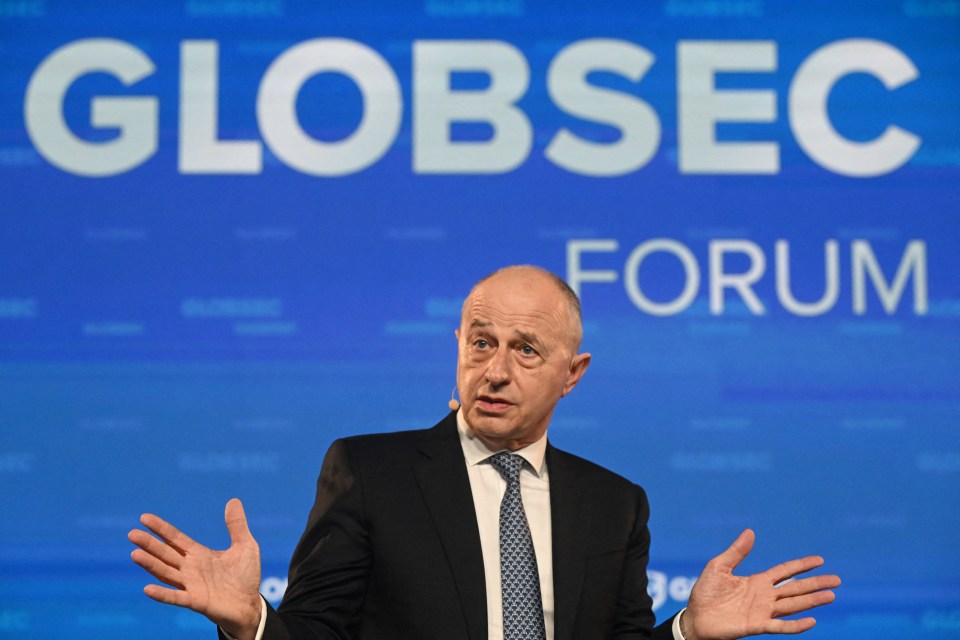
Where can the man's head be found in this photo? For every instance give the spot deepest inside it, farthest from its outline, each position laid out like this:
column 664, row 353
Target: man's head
column 518, row 339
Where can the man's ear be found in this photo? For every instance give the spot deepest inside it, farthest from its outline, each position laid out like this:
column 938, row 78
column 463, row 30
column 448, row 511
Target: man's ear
column 578, row 366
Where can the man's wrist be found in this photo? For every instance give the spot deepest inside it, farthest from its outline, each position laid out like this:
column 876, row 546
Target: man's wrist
column 257, row 628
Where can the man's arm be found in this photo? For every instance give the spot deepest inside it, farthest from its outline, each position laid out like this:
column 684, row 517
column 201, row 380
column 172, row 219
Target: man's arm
column 328, row 572
column 330, row 567
column 635, row 607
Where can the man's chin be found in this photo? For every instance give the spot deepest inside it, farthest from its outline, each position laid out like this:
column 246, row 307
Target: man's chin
column 478, row 419
column 489, row 425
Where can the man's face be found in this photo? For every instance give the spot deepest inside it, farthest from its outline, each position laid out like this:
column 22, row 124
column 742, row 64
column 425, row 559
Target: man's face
column 516, row 357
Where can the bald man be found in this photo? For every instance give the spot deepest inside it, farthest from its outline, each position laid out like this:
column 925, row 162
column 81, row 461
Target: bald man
column 404, row 538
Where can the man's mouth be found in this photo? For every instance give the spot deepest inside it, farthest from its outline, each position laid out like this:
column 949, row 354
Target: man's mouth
column 493, row 404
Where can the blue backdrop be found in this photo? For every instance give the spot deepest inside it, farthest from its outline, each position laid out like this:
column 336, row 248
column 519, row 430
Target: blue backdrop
column 234, row 230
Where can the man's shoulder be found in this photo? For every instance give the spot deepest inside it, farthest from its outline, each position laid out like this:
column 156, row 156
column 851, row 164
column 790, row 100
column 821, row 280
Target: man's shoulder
column 561, row 461
column 394, row 442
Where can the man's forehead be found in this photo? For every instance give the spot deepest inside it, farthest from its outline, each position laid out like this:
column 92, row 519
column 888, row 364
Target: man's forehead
column 516, row 288
column 523, row 298
column 524, row 319
column 517, row 325
column 511, row 305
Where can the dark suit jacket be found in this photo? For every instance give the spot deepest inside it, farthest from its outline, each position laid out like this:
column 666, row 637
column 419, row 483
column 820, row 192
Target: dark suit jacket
column 392, row 550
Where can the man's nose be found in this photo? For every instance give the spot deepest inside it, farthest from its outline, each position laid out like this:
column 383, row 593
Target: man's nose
column 498, row 369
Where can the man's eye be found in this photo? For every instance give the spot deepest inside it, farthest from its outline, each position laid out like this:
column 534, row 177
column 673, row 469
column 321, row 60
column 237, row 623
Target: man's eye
column 481, row 344
column 527, row 350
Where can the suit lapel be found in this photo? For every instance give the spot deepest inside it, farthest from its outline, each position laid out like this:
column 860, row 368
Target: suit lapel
column 442, row 476
column 570, row 516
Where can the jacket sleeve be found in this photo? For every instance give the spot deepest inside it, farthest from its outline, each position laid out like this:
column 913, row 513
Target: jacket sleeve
column 330, row 568
column 635, row 605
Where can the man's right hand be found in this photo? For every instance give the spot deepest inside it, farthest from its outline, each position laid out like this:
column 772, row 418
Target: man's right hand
column 222, row 585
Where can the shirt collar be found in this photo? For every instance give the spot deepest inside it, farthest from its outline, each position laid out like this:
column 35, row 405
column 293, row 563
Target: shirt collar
column 476, row 450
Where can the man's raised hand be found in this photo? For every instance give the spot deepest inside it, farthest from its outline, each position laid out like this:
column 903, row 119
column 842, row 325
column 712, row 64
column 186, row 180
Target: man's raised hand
column 222, row 585
column 723, row 606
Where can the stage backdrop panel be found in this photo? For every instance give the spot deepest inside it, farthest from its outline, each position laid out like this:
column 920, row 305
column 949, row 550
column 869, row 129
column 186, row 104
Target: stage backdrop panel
column 234, row 230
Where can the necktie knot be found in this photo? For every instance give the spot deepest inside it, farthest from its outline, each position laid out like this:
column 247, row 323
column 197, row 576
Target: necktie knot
column 507, row 465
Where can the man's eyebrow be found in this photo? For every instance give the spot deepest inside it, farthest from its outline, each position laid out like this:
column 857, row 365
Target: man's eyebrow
column 530, row 338
column 478, row 323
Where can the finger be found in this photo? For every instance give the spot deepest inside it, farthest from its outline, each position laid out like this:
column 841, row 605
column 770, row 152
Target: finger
column 159, row 570
column 168, row 596
column 792, row 568
column 807, row 585
column 236, row 521
column 791, row 606
column 789, row 626
column 166, row 531
column 735, row 553
column 156, row 548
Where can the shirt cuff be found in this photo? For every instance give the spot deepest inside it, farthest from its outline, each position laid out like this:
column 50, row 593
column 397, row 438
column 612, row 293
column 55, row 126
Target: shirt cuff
column 677, row 634
column 263, row 623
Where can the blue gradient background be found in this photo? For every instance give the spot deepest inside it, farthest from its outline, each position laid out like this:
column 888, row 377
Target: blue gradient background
column 834, row 435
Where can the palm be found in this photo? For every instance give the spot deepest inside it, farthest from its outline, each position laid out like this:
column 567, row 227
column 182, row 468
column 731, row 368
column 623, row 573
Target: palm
column 212, row 579
column 724, row 606
column 222, row 585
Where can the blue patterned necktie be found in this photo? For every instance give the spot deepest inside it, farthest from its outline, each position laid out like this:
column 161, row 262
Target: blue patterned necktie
column 519, row 579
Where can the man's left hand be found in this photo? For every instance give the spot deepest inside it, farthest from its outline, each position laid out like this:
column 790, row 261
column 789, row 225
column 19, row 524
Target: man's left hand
column 723, row 606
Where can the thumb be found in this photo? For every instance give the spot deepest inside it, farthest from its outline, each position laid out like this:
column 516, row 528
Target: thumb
column 236, row 521
column 735, row 553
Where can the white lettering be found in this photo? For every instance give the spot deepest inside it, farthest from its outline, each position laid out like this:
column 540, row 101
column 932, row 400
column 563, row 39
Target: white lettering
column 865, row 262
column 741, row 282
column 135, row 117
column 437, row 106
column 200, row 150
column 273, row 588
column 631, row 277
column 702, row 106
column 576, row 274
column 277, row 106
column 831, row 267
column 638, row 123
column 810, row 119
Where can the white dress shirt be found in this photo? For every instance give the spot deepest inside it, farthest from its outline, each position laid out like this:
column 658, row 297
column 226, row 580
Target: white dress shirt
column 488, row 487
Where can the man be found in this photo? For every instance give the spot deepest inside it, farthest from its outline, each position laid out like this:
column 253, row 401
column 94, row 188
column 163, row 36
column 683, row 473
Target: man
column 442, row 533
